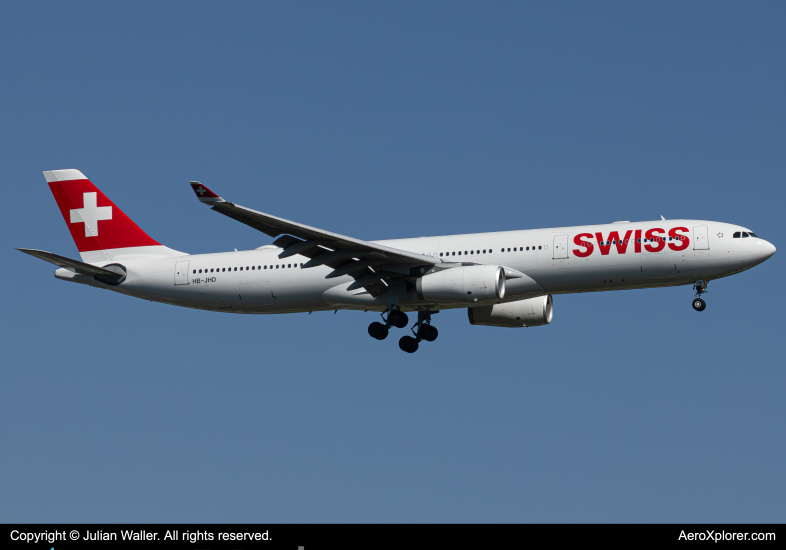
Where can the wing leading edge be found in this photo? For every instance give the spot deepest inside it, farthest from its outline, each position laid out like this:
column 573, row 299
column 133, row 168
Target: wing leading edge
column 370, row 264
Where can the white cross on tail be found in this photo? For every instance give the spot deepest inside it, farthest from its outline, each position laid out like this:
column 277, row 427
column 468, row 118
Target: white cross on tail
column 90, row 214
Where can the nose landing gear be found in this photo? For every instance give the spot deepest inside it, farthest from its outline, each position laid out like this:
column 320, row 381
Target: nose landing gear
column 422, row 331
column 395, row 317
column 700, row 287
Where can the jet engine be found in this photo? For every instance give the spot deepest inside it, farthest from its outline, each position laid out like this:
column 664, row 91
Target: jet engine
column 475, row 283
column 533, row 312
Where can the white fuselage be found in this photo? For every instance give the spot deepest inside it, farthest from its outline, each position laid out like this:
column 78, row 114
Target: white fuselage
column 551, row 258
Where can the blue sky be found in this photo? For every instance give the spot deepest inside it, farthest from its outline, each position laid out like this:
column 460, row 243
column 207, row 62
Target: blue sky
column 383, row 121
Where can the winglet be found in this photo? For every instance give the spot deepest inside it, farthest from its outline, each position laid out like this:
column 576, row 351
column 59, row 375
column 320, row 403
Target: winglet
column 204, row 194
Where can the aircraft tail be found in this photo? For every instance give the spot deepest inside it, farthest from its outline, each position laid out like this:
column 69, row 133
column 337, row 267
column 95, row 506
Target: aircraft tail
column 101, row 231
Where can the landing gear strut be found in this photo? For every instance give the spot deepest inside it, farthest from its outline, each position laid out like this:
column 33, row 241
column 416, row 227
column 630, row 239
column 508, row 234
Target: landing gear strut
column 395, row 317
column 422, row 331
column 700, row 287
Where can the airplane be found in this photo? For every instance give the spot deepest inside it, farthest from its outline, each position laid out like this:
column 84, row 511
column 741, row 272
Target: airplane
column 503, row 279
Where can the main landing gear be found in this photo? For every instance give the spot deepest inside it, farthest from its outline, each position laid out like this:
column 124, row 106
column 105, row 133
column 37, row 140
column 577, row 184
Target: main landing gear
column 700, row 287
column 422, row 331
column 395, row 317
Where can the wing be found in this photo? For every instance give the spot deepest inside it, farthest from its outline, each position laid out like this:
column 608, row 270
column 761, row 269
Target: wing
column 370, row 264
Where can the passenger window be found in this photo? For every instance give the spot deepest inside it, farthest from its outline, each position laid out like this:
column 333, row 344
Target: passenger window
column 540, row 248
column 440, row 253
column 195, row 271
column 289, row 265
column 459, row 252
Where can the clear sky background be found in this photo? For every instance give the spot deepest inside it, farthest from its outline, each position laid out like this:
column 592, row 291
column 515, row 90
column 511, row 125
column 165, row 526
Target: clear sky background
column 384, row 120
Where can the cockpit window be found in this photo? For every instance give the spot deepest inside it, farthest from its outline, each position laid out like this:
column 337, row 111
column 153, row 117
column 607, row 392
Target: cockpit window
column 752, row 234
column 737, row 235
column 744, row 235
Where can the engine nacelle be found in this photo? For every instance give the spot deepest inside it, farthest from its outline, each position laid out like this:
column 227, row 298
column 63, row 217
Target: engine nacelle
column 475, row 283
column 533, row 312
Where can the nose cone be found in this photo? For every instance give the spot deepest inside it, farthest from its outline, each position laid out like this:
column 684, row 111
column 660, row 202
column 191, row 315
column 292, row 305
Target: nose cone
column 767, row 250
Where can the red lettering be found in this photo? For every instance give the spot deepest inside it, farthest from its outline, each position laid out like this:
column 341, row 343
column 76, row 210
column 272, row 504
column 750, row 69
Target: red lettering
column 578, row 241
column 660, row 242
column 682, row 240
column 614, row 238
column 622, row 245
column 637, row 248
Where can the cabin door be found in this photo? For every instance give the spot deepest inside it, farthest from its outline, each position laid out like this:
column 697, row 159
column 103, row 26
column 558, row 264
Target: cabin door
column 181, row 273
column 560, row 247
column 700, row 241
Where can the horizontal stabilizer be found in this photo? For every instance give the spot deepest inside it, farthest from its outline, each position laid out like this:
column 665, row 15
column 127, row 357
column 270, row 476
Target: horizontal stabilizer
column 72, row 265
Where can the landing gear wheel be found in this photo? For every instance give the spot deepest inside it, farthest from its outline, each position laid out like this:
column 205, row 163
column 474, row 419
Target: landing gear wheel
column 699, row 304
column 398, row 318
column 378, row 331
column 408, row 344
column 428, row 333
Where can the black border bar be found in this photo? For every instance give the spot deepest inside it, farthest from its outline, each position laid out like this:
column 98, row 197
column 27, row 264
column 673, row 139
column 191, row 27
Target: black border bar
column 365, row 536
